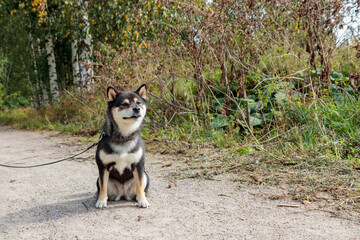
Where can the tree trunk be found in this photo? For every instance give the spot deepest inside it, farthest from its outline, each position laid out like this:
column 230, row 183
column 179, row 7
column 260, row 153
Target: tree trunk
column 33, row 61
column 35, row 101
column 44, row 96
column 40, row 83
column 85, row 51
column 54, row 88
column 75, row 65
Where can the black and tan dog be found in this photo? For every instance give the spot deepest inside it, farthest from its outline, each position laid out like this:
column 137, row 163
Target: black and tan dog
column 120, row 155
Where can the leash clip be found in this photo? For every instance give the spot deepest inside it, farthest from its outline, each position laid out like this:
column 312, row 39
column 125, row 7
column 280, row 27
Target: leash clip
column 102, row 135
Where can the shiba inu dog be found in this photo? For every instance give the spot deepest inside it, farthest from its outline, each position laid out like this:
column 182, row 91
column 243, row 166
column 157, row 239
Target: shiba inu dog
column 120, row 155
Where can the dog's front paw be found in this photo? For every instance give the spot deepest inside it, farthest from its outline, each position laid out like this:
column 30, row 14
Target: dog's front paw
column 143, row 203
column 101, row 204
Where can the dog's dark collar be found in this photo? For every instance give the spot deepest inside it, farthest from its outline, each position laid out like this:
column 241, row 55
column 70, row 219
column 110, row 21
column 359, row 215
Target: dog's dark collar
column 117, row 138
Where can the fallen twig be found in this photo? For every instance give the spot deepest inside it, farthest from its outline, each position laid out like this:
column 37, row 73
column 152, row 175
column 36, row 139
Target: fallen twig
column 288, row 205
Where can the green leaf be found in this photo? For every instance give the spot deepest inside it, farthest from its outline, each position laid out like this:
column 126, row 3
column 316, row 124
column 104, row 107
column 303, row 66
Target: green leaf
column 269, row 116
column 219, row 121
column 280, row 97
column 254, row 121
column 336, row 76
column 253, row 107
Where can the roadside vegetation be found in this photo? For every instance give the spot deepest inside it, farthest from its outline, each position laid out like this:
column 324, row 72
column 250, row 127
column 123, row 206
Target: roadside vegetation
column 265, row 90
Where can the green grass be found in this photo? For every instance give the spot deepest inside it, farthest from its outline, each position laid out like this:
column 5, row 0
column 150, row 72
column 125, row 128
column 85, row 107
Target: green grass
column 27, row 118
column 31, row 119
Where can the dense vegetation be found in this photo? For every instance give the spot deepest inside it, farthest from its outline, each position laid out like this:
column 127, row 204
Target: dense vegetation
column 276, row 81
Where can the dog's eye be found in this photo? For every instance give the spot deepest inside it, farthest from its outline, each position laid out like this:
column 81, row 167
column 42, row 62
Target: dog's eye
column 138, row 102
column 124, row 104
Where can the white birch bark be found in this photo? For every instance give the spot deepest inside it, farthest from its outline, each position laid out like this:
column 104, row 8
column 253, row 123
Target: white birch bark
column 85, row 51
column 75, row 65
column 54, row 88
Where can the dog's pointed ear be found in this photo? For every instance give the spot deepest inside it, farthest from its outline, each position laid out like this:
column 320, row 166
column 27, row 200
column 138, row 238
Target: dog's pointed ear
column 111, row 94
column 142, row 91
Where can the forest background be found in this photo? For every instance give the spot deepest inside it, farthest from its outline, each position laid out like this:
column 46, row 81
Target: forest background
column 265, row 90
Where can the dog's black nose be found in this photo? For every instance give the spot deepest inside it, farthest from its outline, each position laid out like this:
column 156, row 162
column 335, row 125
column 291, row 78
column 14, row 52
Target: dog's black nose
column 136, row 110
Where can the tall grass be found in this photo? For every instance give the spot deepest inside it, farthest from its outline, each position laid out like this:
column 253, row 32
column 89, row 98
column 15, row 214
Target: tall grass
column 75, row 114
column 325, row 125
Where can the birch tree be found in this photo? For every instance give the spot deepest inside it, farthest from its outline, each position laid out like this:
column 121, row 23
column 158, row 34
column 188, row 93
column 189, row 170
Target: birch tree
column 75, row 65
column 40, row 76
column 85, row 50
column 34, row 66
column 54, row 88
column 35, row 100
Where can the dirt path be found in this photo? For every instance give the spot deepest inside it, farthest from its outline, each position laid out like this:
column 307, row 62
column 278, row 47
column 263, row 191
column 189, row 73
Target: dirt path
column 57, row 202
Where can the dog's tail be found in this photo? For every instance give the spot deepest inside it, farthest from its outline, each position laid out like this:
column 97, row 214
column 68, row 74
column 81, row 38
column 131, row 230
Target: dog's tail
column 147, row 188
column 98, row 186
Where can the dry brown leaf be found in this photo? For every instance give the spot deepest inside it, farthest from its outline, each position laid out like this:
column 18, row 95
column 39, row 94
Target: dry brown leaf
column 168, row 165
column 255, row 178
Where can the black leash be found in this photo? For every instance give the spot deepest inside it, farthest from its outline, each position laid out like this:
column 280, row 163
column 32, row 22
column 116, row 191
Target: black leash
column 60, row 160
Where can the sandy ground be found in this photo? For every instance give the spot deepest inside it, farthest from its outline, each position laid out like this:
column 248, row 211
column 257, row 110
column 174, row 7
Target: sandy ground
column 57, row 202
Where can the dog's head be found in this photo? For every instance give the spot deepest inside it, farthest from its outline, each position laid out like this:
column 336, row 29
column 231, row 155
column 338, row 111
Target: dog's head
column 127, row 108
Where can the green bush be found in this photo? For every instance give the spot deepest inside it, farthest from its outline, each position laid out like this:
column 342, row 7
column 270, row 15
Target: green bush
column 15, row 100
column 1, row 97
